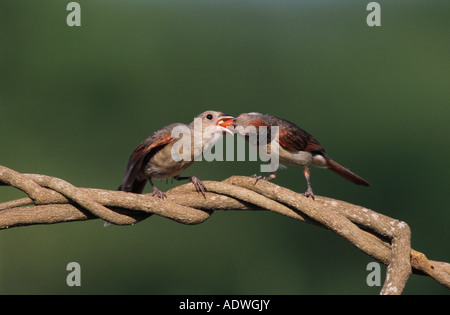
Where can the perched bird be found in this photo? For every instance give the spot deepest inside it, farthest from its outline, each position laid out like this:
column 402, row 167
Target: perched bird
column 295, row 145
column 162, row 156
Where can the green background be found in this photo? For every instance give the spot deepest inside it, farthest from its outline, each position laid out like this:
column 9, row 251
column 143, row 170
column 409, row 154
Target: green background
column 75, row 102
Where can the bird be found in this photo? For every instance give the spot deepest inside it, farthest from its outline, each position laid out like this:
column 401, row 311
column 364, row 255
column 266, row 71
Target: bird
column 157, row 157
column 296, row 146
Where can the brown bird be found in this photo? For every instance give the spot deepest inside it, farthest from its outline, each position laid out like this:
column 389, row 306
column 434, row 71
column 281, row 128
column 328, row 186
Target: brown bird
column 296, row 146
column 161, row 155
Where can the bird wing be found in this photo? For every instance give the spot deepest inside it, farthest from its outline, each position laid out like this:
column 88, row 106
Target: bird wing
column 140, row 156
column 297, row 139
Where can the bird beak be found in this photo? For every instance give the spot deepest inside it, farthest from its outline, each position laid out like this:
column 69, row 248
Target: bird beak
column 224, row 121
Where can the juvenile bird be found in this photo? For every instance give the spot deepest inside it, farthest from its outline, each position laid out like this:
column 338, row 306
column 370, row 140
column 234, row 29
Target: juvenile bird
column 295, row 145
column 162, row 156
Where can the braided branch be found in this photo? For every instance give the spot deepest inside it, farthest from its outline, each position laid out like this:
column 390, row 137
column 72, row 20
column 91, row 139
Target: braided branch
column 53, row 200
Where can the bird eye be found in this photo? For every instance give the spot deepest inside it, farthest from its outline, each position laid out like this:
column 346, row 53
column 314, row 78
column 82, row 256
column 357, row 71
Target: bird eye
column 209, row 116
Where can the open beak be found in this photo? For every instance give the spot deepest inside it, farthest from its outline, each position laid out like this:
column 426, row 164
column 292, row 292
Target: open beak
column 225, row 121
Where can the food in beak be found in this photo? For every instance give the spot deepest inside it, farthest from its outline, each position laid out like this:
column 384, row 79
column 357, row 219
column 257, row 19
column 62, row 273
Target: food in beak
column 224, row 122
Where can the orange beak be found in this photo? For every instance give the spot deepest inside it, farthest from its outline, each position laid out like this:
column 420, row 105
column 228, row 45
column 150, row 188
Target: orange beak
column 225, row 120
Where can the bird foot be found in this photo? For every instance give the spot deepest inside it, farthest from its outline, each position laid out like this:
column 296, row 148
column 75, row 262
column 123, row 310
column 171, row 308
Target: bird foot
column 258, row 177
column 158, row 193
column 308, row 193
column 198, row 184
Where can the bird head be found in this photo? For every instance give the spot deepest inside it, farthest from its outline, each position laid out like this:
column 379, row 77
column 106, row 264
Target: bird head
column 216, row 121
column 249, row 124
column 249, row 119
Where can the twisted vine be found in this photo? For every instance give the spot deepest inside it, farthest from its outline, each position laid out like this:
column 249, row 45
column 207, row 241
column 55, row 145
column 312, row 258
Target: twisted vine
column 52, row 200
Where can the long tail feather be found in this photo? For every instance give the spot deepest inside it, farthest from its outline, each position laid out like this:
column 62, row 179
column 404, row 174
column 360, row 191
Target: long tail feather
column 136, row 187
column 345, row 173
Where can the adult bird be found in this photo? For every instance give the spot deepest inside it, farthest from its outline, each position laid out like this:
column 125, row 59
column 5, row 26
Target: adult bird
column 295, row 146
column 170, row 150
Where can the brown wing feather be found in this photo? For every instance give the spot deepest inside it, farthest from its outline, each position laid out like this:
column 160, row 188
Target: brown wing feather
column 297, row 139
column 140, row 156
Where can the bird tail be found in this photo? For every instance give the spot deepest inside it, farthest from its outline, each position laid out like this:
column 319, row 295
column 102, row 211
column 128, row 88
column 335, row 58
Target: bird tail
column 346, row 173
column 137, row 186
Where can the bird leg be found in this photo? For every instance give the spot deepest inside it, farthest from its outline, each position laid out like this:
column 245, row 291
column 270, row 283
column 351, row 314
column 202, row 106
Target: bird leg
column 270, row 177
column 156, row 191
column 309, row 191
column 199, row 186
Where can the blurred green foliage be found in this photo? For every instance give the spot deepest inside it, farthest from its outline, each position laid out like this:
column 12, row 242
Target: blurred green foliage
column 75, row 101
